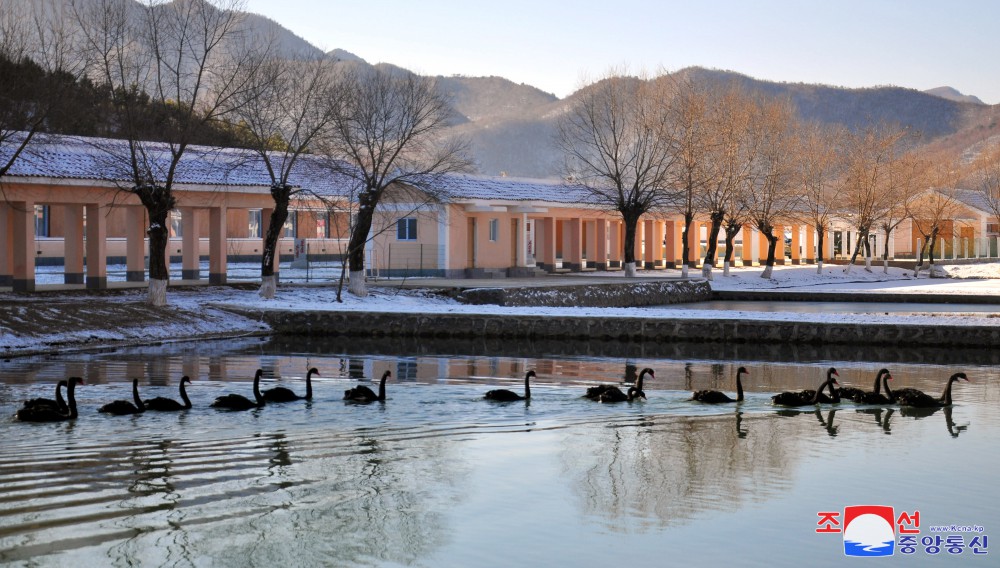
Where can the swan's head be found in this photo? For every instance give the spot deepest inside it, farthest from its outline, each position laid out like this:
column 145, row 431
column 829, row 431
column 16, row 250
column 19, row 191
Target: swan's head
column 76, row 381
column 648, row 371
column 832, row 373
column 530, row 374
column 958, row 376
column 742, row 370
column 185, row 379
column 313, row 371
column 882, row 372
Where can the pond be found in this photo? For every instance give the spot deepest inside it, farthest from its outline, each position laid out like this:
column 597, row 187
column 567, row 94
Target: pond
column 436, row 476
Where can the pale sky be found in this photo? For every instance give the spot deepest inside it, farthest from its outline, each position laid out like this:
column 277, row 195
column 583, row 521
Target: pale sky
column 558, row 46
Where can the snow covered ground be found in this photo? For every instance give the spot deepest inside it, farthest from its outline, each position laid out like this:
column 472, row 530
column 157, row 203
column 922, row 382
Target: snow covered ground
column 200, row 312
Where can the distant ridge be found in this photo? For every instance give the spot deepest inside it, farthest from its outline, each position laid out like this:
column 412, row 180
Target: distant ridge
column 953, row 94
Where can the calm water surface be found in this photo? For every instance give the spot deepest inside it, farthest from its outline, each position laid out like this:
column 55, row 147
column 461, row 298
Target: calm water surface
column 438, row 477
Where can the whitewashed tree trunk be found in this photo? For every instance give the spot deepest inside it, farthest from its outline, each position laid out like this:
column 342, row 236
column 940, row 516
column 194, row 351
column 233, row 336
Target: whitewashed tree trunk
column 684, row 270
column 356, row 283
column 868, row 263
column 819, row 267
column 847, row 268
column 885, row 265
column 937, row 272
column 767, row 272
column 268, row 287
column 630, row 270
column 158, row 292
column 725, row 269
column 916, row 271
column 706, row 271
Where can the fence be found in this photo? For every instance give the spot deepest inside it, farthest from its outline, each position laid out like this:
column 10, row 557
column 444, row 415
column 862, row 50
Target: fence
column 405, row 260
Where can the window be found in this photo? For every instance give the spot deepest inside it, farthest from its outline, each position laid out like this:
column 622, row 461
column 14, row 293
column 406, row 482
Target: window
column 494, row 230
column 291, row 226
column 254, row 224
column 406, row 229
column 323, row 225
column 176, row 226
column 41, row 220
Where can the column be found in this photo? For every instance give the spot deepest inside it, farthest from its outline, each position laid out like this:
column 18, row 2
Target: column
column 658, row 244
column 6, row 245
column 572, row 241
column 615, row 239
column 97, row 248
column 754, row 243
column 796, row 243
column 810, row 245
column 23, row 239
column 648, row 249
column 73, row 244
column 601, row 244
column 694, row 244
column 135, row 244
column 590, row 250
column 545, row 242
column 637, row 249
column 217, row 245
column 190, row 241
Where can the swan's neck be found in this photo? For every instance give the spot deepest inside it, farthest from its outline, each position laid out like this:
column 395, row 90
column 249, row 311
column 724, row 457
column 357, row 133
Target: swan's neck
column 739, row 388
column 184, row 396
column 59, row 397
column 834, row 393
column 72, row 399
column 309, row 386
column 638, row 382
column 946, row 395
column 885, row 386
column 527, row 386
column 256, row 390
column 381, row 388
column 878, row 384
column 135, row 395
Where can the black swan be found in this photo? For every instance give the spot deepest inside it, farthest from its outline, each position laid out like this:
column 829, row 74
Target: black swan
column 916, row 398
column 504, row 395
column 282, row 394
column 716, row 397
column 163, row 404
column 123, row 407
column 876, row 397
column 807, row 397
column 49, row 414
column 852, row 393
column 240, row 402
column 58, row 404
column 611, row 393
column 363, row 394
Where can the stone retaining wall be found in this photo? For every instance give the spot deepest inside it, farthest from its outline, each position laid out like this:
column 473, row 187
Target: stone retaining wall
column 623, row 295
column 630, row 329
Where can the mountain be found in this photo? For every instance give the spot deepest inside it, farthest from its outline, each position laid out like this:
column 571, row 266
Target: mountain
column 511, row 126
column 953, row 94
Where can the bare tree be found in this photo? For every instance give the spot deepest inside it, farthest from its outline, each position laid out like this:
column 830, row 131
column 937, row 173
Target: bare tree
column 288, row 105
column 37, row 63
column 388, row 131
column 770, row 191
column 688, row 134
column 870, row 154
column 985, row 173
column 817, row 174
column 936, row 210
column 192, row 57
column 612, row 144
column 907, row 180
column 728, row 164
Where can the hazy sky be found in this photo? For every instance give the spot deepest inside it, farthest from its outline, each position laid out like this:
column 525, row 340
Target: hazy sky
column 557, row 46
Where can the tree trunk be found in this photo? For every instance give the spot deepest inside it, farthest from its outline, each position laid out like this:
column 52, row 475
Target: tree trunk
column 862, row 239
column 268, row 279
column 158, row 202
column 356, row 246
column 631, row 223
column 920, row 259
column 772, row 246
column 820, row 232
column 885, row 252
column 713, row 239
column 731, row 232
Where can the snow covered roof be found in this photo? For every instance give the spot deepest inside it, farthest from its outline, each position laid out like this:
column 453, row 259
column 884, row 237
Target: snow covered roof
column 459, row 187
column 100, row 159
column 973, row 198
